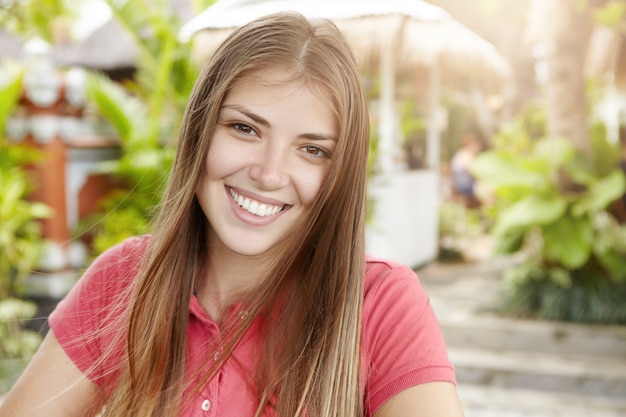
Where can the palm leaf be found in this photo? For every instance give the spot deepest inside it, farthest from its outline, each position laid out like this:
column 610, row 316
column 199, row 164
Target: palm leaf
column 127, row 114
column 11, row 76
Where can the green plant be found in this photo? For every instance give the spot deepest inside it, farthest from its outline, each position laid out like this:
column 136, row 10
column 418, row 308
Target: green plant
column 459, row 226
column 413, row 128
column 17, row 345
column 146, row 114
column 143, row 166
column 11, row 78
column 32, row 18
column 20, row 237
column 20, row 234
column 551, row 206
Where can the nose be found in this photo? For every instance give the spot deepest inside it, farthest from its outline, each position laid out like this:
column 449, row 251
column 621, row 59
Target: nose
column 270, row 170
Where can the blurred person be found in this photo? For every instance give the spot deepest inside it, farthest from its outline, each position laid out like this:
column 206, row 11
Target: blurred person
column 462, row 180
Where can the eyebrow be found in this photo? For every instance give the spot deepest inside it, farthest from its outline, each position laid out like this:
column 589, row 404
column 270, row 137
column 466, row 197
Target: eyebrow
column 262, row 121
column 257, row 119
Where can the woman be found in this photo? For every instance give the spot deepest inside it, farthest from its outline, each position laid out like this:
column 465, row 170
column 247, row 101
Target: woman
column 253, row 295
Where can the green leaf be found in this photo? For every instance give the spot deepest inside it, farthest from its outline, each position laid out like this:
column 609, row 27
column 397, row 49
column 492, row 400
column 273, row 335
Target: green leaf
column 581, row 170
column 40, row 210
column 11, row 76
column 127, row 114
column 614, row 263
column 605, row 155
column 612, row 14
column 555, row 152
column 533, row 210
column 502, row 169
column 568, row 241
column 14, row 309
column 511, row 241
column 601, row 194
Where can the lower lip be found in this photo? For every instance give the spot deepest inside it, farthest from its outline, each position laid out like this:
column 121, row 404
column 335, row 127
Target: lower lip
column 249, row 218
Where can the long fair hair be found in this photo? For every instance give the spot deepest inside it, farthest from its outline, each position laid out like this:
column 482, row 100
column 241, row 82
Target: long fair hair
column 310, row 362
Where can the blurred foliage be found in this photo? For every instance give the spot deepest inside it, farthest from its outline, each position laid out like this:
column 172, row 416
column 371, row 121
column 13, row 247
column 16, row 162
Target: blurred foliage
column 612, row 14
column 146, row 111
column 459, row 122
column 20, row 231
column 17, row 345
column 34, row 18
column 21, row 244
column 551, row 205
column 518, row 135
column 372, row 168
column 413, row 127
column 20, row 235
column 11, row 78
column 143, row 166
column 15, row 341
column 459, row 227
column 165, row 74
column 146, row 114
column 200, row 5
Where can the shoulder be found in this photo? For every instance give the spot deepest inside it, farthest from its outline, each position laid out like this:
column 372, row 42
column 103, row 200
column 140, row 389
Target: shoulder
column 392, row 292
column 106, row 278
column 128, row 251
column 402, row 344
column 124, row 258
column 87, row 321
column 384, row 274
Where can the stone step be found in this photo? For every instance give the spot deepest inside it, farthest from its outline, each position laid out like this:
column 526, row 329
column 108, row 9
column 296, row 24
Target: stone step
column 484, row 331
column 490, row 401
column 564, row 373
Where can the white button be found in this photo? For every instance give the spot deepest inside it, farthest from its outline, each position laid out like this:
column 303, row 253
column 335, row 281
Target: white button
column 243, row 314
column 216, row 356
column 206, row 405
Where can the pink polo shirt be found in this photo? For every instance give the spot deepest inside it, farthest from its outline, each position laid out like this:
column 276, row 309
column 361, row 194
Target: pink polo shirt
column 402, row 344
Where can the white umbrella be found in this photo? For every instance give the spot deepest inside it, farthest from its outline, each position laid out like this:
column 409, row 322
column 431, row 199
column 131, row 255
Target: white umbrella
column 389, row 33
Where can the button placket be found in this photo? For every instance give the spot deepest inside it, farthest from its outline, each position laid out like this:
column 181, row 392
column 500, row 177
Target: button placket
column 206, row 402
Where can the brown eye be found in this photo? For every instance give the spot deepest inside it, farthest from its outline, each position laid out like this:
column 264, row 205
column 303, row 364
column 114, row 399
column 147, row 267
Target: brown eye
column 315, row 151
column 244, row 128
column 312, row 150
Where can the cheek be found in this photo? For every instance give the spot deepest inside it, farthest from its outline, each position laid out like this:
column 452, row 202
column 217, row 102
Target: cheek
column 221, row 160
column 309, row 186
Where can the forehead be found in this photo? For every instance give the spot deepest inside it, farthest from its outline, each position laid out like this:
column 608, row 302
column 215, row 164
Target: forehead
column 287, row 80
column 283, row 102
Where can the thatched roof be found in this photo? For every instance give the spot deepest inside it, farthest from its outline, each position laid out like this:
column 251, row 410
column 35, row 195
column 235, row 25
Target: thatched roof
column 109, row 47
column 419, row 33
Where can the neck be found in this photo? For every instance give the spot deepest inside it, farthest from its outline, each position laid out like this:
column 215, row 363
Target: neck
column 228, row 277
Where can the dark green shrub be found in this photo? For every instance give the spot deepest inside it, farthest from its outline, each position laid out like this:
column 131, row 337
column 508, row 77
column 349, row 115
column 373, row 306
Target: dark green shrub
column 551, row 207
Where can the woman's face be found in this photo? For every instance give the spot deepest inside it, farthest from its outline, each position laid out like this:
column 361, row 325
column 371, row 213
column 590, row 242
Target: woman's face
column 267, row 160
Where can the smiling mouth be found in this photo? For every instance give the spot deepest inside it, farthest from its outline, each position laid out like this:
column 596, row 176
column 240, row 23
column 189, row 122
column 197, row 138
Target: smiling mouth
column 255, row 207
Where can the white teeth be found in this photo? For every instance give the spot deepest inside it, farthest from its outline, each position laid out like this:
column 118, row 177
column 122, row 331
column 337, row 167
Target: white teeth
column 254, row 207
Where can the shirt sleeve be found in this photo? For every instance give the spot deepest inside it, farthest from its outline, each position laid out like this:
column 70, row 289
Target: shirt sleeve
column 88, row 321
column 402, row 340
